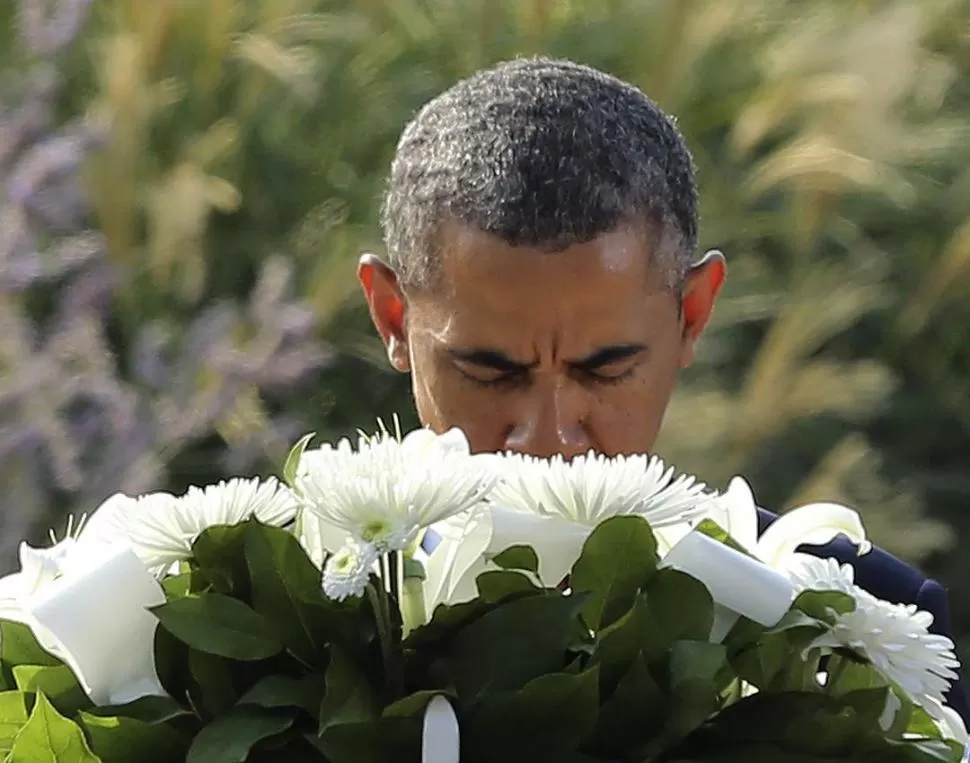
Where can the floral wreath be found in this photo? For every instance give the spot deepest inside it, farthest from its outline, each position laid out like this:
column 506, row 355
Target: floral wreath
column 405, row 600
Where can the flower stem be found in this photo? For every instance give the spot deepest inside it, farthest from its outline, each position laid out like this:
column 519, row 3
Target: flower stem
column 385, row 633
column 835, row 674
column 412, row 595
column 394, row 576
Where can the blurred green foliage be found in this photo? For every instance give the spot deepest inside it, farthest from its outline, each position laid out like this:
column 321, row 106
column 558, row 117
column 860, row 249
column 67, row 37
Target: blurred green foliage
column 834, row 165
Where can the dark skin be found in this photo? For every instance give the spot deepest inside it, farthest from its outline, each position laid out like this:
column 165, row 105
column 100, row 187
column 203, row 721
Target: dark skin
column 544, row 353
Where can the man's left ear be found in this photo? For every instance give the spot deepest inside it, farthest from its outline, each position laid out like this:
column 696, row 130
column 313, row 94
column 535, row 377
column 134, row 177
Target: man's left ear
column 701, row 287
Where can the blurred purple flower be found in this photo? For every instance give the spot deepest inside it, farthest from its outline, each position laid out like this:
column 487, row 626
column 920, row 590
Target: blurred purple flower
column 82, row 414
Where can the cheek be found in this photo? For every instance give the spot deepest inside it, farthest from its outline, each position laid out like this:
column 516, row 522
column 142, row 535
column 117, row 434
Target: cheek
column 444, row 401
column 626, row 419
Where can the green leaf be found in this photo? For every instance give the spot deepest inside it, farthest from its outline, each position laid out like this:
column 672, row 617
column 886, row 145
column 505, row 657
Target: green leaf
column 349, row 696
column 230, row 738
column 921, row 723
column 282, row 691
column 848, row 674
column 377, row 741
column 219, row 625
column 764, row 662
column 811, row 722
column 694, row 667
column 824, row 605
column 58, row 684
column 712, row 529
column 293, row 459
column 795, row 619
column 211, row 686
column 499, row 585
column 618, row 558
column 181, row 585
column 869, row 705
column 148, row 709
column 633, row 714
column 412, row 705
column 620, row 644
column 286, row 589
column 121, row 740
column 695, row 661
column 13, row 715
column 550, row 715
column 49, row 737
column 172, row 665
column 219, row 557
column 518, row 558
column 18, row 646
column 445, row 621
column 679, row 607
column 514, row 643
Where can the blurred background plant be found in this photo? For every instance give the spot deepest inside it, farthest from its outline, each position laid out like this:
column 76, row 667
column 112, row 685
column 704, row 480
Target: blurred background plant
column 186, row 185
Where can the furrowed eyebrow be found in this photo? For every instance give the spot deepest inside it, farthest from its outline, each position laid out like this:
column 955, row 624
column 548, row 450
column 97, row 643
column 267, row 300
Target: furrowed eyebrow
column 496, row 360
column 491, row 359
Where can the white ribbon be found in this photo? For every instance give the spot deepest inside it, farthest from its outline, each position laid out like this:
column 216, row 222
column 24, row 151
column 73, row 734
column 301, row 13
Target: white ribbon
column 737, row 582
column 96, row 620
column 440, row 738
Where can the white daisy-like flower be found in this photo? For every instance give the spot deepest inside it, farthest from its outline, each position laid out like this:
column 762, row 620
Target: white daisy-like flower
column 389, row 489
column 553, row 505
column 346, row 573
column 895, row 638
column 590, row 488
column 161, row 527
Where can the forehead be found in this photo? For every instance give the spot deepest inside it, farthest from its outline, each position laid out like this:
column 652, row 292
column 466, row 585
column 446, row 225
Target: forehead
column 604, row 286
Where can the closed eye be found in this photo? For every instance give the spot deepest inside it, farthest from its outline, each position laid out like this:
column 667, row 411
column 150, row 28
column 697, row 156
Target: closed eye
column 490, row 368
column 490, row 377
column 602, row 377
column 611, row 365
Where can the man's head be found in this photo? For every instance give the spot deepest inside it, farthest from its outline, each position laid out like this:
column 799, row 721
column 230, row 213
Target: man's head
column 540, row 223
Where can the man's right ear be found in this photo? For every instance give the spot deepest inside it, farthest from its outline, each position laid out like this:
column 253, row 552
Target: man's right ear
column 387, row 306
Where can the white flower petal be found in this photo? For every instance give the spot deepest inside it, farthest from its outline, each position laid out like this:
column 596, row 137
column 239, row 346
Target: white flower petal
column 893, row 637
column 557, row 544
column 346, row 572
column 951, row 724
column 107, row 525
column 387, row 491
column 319, row 537
column 457, row 560
column 736, row 512
column 161, row 527
column 814, row 524
column 454, row 441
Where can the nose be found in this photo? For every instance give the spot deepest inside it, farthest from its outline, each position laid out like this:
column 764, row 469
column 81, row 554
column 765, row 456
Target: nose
column 551, row 421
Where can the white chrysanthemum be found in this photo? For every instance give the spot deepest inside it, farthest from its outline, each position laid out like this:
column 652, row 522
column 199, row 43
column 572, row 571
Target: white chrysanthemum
column 161, row 528
column 553, row 505
column 591, row 488
column 346, row 573
column 388, row 489
column 895, row 638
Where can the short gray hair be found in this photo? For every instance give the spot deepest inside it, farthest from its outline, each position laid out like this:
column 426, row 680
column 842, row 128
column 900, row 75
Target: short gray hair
column 543, row 153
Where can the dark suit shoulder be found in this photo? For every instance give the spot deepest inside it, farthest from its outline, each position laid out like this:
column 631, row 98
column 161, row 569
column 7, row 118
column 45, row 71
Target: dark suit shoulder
column 878, row 572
